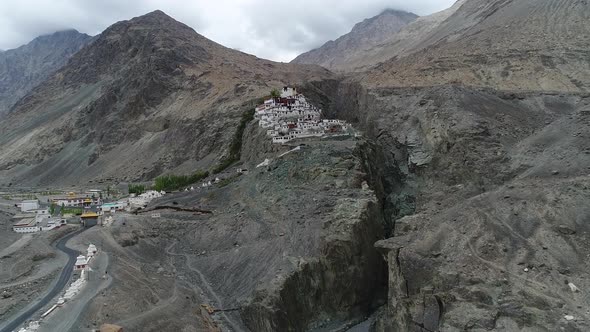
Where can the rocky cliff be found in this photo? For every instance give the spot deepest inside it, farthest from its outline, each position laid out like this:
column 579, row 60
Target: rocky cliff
column 486, row 226
column 148, row 96
column 23, row 68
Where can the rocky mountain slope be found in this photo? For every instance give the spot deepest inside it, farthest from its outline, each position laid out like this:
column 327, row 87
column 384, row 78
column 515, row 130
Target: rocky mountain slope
column 149, row 95
column 509, row 45
column 483, row 194
column 475, row 154
column 23, row 68
column 479, row 153
column 257, row 261
column 339, row 54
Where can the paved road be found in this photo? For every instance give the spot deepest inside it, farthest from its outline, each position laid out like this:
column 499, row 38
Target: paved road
column 64, row 277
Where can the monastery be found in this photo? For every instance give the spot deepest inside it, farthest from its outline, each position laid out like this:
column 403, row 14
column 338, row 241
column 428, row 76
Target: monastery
column 290, row 116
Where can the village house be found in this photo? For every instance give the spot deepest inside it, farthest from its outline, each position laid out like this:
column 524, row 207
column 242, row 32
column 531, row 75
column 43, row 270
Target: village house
column 29, row 205
column 114, row 206
column 33, row 225
column 290, row 116
column 26, row 226
column 73, row 199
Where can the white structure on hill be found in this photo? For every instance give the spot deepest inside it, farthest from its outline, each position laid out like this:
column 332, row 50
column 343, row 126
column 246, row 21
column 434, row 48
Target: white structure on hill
column 290, row 116
column 143, row 199
column 91, row 251
column 81, row 263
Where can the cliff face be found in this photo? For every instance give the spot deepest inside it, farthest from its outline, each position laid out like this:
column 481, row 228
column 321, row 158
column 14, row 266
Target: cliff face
column 287, row 247
column 339, row 54
column 477, row 191
column 149, row 95
column 23, row 68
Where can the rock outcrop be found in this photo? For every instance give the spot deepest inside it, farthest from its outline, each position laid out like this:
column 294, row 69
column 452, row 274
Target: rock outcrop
column 477, row 188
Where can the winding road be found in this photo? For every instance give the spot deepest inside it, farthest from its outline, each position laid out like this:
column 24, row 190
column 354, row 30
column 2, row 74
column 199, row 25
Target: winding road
column 64, row 277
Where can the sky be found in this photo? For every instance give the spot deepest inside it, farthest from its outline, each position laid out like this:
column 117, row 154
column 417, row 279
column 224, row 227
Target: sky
column 272, row 29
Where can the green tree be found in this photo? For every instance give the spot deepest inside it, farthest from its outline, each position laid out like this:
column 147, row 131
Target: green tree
column 275, row 93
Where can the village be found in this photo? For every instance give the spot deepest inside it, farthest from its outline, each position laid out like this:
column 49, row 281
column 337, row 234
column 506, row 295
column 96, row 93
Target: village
column 285, row 117
column 88, row 209
column 289, row 116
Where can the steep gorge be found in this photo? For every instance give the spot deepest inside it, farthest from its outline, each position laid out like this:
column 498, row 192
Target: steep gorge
column 456, row 169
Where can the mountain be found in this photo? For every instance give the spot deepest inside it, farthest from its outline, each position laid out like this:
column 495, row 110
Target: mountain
column 479, row 146
column 23, row 68
column 149, row 95
column 403, row 43
column 510, row 45
column 519, row 44
column 338, row 54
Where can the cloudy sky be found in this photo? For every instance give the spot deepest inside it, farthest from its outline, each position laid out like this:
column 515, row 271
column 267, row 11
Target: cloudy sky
column 252, row 26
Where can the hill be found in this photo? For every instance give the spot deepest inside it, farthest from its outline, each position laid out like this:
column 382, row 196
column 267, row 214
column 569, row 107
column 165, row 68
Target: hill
column 149, row 95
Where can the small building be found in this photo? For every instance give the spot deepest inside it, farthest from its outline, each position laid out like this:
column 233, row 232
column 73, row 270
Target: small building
column 29, row 205
column 27, row 226
column 114, row 206
column 89, row 218
column 81, row 263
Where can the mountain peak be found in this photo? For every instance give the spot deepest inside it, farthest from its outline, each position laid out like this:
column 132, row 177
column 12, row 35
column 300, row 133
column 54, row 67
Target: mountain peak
column 364, row 35
column 155, row 17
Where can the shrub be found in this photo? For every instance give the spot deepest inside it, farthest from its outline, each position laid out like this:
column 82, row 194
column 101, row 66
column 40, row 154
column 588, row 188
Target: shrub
column 137, row 189
column 172, row 182
column 71, row 210
column 235, row 149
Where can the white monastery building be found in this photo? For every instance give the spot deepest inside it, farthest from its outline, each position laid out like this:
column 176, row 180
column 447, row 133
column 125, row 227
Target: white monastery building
column 290, row 116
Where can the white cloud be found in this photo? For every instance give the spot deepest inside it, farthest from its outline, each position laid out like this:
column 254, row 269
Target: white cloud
column 272, row 29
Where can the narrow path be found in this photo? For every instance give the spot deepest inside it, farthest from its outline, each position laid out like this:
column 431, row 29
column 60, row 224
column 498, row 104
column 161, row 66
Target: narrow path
column 205, row 284
column 63, row 279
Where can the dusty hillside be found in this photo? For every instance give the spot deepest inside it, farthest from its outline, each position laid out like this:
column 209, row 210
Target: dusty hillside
column 509, row 45
column 340, row 54
column 149, row 95
column 479, row 153
column 23, row 68
column 287, row 247
column 483, row 193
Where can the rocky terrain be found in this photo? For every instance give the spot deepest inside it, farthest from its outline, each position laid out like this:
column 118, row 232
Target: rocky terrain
column 139, row 101
column 23, row 68
column 462, row 208
column 485, row 193
column 285, row 247
column 337, row 55
column 518, row 45
column 28, row 264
